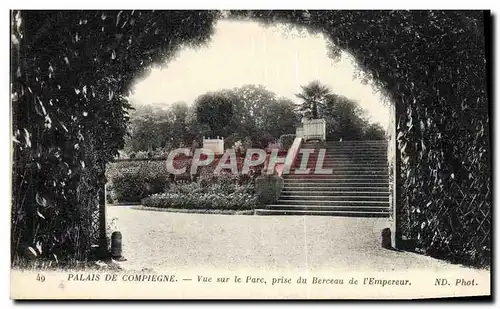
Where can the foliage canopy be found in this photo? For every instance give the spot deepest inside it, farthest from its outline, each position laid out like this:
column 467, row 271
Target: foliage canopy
column 71, row 71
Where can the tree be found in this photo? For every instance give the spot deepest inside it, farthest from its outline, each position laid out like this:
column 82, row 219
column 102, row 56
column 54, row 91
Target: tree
column 70, row 75
column 245, row 108
column 195, row 129
column 259, row 112
column 150, row 127
column 280, row 117
column 160, row 126
column 179, row 117
column 374, row 131
column 256, row 112
column 214, row 109
column 260, row 115
column 344, row 119
column 313, row 96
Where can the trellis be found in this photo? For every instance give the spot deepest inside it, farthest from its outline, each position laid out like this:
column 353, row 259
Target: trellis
column 457, row 227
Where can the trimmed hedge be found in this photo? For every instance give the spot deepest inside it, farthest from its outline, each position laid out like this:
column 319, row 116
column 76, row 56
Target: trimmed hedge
column 286, row 140
column 232, row 201
column 131, row 181
column 211, row 191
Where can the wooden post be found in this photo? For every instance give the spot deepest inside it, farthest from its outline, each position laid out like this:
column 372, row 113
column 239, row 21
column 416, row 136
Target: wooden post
column 396, row 190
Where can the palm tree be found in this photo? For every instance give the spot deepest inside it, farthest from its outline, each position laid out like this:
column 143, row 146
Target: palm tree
column 314, row 96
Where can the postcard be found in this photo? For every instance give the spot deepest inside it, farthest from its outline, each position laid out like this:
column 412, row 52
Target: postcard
column 250, row 154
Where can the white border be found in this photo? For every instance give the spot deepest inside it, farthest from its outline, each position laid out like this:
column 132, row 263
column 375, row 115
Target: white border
column 190, row 4
column 253, row 4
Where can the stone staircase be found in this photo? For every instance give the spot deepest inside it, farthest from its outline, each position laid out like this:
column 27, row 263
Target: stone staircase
column 358, row 185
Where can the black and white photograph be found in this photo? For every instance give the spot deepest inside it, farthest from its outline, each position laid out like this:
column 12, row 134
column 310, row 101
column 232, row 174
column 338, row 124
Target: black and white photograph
column 250, row 154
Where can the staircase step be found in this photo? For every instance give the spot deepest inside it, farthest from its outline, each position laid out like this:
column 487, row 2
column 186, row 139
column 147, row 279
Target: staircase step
column 349, row 142
column 346, row 147
column 329, row 208
column 335, row 173
column 348, row 159
column 314, row 173
column 346, row 163
column 357, row 186
column 352, row 146
column 349, row 162
column 273, row 212
column 315, row 150
column 346, row 167
column 332, row 203
column 331, row 198
column 321, row 191
column 331, row 154
column 338, row 190
column 345, row 144
column 337, row 182
column 334, row 177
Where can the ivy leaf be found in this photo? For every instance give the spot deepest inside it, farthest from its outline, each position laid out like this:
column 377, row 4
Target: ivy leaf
column 41, row 200
column 40, row 214
column 39, row 247
column 27, row 138
column 33, row 251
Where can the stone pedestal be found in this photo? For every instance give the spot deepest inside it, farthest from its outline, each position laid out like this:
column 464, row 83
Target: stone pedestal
column 268, row 188
column 385, row 238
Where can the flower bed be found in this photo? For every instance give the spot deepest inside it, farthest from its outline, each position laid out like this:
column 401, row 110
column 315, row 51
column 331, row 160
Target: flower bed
column 130, row 181
column 211, row 191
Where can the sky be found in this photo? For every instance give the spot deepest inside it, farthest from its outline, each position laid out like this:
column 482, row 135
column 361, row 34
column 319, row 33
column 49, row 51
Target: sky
column 245, row 52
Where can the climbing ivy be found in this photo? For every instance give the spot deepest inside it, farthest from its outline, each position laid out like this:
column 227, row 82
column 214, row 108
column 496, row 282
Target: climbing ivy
column 71, row 71
column 432, row 64
column 70, row 74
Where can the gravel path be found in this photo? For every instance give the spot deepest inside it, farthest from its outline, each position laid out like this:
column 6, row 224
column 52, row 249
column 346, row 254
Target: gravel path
column 155, row 240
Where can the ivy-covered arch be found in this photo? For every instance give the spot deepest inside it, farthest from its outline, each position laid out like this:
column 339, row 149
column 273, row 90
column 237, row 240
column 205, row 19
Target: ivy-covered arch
column 71, row 72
